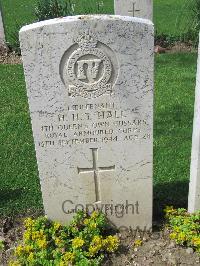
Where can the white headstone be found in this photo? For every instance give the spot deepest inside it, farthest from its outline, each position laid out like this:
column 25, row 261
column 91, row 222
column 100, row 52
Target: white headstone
column 90, row 89
column 194, row 188
column 134, row 8
column 2, row 35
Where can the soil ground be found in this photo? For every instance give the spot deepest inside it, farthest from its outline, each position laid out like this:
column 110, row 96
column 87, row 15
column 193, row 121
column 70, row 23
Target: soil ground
column 8, row 57
column 156, row 249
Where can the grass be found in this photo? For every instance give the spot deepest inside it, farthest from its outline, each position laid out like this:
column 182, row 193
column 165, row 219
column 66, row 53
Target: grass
column 174, row 98
column 171, row 17
column 19, row 188
column 16, row 14
column 174, row 101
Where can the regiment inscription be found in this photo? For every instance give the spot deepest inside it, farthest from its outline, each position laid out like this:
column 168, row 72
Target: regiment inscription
column 111, row 125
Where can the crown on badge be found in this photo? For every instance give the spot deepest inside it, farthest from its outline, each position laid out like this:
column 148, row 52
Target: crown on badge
column 87, row 40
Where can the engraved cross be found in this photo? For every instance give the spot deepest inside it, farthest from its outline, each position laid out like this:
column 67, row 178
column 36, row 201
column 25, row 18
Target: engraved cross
column 133, row 10
column 96, row 170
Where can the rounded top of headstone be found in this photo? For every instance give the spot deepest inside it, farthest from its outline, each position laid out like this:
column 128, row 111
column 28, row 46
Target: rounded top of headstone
column 72, row 19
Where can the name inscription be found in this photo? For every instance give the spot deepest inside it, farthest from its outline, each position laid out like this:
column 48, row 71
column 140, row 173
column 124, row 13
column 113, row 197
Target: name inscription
column 90, row 123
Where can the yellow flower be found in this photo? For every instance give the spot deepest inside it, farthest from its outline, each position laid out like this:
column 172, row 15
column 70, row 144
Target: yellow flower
column 41, row 232
column 173, row 235
column 196, row 241
column 176, row 229
column 169, row 210
column 94, row 214
column 181, row 237
column 68, row 257
column 19, row 250
column 96, row 245
column 93, row 250
column 86, row 221
column 27, row 235
column 77, row 242
column 56, row 226
column 35, row 235
column 42, row 243
column 30, row 258
column 28, row 222
column 186, row 220
column 138, row 243
column 59, row 242
column 14, row 263
column 38, row 235
column 97, row 240
column 111, row 243
column 23, row 249
column 92, row 225
column 28, row 249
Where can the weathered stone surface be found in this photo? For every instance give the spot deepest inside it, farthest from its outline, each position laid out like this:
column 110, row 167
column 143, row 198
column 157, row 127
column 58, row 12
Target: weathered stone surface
column 194, row 188
column 134, row 8
column 2, row 35
column 90, row 89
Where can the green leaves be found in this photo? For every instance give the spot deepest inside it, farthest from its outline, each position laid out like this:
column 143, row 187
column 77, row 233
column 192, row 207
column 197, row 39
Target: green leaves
column 48, row 9
column 83, row 242
column 2, row 245
column 184, row 227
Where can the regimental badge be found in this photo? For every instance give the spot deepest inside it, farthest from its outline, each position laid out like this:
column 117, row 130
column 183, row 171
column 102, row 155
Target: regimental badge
column 88, row 68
